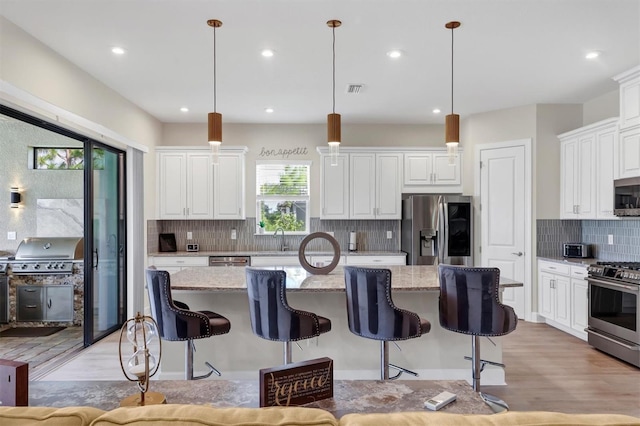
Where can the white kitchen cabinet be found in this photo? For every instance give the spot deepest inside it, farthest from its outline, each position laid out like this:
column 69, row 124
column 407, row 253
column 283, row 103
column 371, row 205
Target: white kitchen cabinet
column 229, row 186
column 606, row 168
column 291, row 260
column 380, row 261
column 427, row 169
column 579, row 300
column 185, row 185
column 629, row 153
column 334, row 188
column 173, row 264
column 629, row 98
column 562, row 297
column 375, row 185
column 588, row 168
column 555, row 293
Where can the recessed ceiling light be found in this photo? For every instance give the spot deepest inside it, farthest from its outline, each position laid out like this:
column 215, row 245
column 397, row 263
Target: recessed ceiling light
column 592, row 55
column 394, row 54
column 117, row 50
column 267, row 53
column 436, row 111
column 184, row 109
column 268, row 110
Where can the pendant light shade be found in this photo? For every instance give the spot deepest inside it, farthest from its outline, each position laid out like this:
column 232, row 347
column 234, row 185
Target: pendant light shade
column 334, row 136
column 214, row 118
column 452, row 121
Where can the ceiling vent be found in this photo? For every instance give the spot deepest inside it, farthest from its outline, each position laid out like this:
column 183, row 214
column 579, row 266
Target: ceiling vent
column 354, row 89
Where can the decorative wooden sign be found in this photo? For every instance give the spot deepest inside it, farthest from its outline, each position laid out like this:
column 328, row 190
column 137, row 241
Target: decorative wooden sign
column 283, row 152
column 297, row 383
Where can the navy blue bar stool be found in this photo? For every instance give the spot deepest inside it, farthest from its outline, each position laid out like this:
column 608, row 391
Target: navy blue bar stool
column 470, row 304
column 373, row 315
column 271, row 316
column 177, row 323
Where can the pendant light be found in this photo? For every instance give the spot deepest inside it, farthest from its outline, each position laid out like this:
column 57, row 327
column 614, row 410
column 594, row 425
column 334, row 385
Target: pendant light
column 452, row 121
column 333, row 119
column 214, row 118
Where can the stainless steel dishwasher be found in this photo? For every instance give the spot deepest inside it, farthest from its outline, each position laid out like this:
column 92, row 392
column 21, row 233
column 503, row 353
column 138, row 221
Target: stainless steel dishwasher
column 229, row 261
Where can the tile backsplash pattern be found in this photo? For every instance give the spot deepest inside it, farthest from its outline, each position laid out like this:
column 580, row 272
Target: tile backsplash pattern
column 626, row 238
column 552, row 233
column 215, row 235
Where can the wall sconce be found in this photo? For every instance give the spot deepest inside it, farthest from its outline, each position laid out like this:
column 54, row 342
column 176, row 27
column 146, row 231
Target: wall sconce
column 16, row 198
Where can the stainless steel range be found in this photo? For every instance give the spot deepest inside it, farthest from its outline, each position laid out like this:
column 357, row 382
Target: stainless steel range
column 47, row 255
column 614, row 323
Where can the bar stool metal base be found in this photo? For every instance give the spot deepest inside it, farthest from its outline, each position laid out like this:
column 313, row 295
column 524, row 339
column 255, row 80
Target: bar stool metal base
column 477, row 365
column 384, row 364
column 188, row 364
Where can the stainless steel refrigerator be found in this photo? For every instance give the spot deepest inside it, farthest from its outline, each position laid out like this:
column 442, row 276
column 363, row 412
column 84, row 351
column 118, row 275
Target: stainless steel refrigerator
column 437, row 229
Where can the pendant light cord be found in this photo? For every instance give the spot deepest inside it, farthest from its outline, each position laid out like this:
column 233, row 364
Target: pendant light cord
column 334, row 68
column 214, row 69
column 452, row 28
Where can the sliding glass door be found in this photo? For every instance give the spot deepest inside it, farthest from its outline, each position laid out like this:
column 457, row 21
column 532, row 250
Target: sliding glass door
column 105, row 288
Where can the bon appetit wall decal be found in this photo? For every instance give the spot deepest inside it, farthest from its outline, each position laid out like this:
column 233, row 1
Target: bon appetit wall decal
column 283, row 152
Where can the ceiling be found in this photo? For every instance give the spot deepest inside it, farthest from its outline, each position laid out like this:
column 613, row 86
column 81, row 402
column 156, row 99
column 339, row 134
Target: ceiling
column 507, row 53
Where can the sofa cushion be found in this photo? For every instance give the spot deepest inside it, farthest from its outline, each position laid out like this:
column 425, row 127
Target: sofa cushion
column 48, row 416
column 200, row 415
column 528, row 418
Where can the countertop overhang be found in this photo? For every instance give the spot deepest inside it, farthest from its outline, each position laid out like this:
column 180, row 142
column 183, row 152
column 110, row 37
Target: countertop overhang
column 232, row 279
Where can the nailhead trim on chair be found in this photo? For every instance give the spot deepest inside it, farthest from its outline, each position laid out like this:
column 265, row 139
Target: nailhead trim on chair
column 496, row 296
column 283, row 287
column 393, row 306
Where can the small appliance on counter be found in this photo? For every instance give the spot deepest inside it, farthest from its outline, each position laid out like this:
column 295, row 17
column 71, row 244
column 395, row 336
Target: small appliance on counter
column 353, row 237
column 578, row 250
column 167, row 243
column 193, row 247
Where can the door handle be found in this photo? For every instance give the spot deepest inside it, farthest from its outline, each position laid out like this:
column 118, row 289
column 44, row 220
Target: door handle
column 518, row 253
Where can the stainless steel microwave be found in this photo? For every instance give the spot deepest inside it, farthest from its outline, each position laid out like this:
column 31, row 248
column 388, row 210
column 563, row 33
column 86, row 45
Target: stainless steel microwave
column 576, row 250
column 626, row 202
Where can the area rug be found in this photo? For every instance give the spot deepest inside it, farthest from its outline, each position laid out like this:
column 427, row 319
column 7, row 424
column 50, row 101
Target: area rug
column 30, row 331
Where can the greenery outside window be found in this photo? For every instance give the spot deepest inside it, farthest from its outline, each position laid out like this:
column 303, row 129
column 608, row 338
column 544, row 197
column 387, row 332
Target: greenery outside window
column 282, row 196
column 69, row 158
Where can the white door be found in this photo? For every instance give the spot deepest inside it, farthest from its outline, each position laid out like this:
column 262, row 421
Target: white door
column 502, row 199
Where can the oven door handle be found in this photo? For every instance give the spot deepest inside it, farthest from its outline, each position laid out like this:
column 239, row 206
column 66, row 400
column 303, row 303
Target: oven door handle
column 617, row 342
column 632, row 289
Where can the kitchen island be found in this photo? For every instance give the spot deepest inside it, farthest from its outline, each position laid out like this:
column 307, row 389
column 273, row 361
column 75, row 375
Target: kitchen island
column 239, row 354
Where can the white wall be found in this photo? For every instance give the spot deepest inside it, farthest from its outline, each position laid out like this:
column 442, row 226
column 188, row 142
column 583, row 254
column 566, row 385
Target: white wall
column 601, row 108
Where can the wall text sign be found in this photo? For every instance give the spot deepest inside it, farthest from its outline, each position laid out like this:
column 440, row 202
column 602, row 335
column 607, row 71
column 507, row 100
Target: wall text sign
column 282, row 152
column 297, row 383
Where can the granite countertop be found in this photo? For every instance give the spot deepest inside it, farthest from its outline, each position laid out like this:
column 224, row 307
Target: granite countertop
column 232, row 278
column 571, row 260
column 275, row 253
column 349, row 396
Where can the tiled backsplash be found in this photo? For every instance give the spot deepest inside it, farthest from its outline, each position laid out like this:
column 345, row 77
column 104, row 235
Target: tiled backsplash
column 215, row 235
column 626, row 237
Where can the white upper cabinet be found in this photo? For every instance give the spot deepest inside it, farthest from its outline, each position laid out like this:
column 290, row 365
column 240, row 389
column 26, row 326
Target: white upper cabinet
column 334, row 188
column 588, row 168
column 229, row 187
column 185, row 185
column 629, row 98
column 431, row 172
column 187, row 188
column 629, row 137
column 375, row 185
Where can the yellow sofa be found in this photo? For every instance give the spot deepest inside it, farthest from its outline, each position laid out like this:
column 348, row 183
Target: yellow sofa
column 204, row 415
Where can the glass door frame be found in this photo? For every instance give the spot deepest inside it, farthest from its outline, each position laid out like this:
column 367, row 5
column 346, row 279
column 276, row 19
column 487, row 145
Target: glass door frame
column 91, row 261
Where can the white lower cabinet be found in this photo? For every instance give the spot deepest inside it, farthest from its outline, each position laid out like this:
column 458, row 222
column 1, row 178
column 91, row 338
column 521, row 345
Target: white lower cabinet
column 562, row 296
column 275, row 260
column 579, row 300
column 173, row 264
column 378, row 261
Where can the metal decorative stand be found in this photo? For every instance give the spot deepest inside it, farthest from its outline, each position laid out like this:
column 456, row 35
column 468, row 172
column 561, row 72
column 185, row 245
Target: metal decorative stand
column 141, row 365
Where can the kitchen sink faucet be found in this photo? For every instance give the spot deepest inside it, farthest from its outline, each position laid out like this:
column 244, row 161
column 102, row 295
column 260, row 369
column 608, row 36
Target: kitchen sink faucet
column 282, row 246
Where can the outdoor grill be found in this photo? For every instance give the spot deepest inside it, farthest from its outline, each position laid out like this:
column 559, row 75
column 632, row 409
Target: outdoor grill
column 43, row 255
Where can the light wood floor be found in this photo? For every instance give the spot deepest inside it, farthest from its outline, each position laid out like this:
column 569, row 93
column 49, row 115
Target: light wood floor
column 547, row 370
